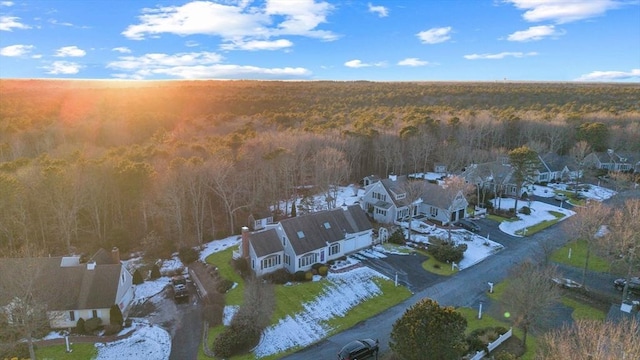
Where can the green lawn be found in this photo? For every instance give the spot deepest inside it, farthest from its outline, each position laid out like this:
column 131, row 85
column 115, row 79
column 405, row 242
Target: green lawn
column 59, row 352
column 542, row 225
column 499, row 218
column 578, row 251
column 290, row 300
column 222, row 260
column 582, row 311
column 436, row 267
column 401, row 249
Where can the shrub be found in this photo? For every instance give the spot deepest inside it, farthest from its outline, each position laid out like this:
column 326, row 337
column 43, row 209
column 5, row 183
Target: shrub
column 316, row 266
column 397, row 237
column 92, row 324
column 115, row 315
column 137, row 277
column 187, row 255
column 299, row 276
column 308, row 276
column 213, row 308
column 323, row 271
column 241, row 265
column 223, row 285
column 445, row 251
column 503, row 355
column 155, row 272
column 112, row 329
column 525, row 210
column 280, row 276
column 80, row 326
column 235, row 340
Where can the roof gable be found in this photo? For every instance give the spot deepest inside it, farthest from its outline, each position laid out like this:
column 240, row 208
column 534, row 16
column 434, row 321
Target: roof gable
column 265, row 242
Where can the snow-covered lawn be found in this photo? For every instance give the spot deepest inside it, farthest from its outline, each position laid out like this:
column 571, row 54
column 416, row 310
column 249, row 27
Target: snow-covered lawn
column 147, row 342
column 540, row 212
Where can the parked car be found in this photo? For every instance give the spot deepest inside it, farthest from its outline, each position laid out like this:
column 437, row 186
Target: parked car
column 359, row 349
column 561, row 197
column 179, row 284
column 467, row 224
column 634, row 284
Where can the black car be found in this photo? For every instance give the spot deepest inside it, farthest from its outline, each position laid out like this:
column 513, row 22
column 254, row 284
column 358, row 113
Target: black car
column 469, row 225
column 359, row 349
column 634, row 284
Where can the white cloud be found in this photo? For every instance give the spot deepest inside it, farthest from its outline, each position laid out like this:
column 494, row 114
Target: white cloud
column 258, row 45
column 610, row 75
column 359, row 64
column 70, row 51
column 202, row 65
column 235, row 22
column 501, row 55
column 122, row 50
column 412, row 62
column 11, row 22
column 563, row 11
column 191, row 43
column 16, row 50
column 534, row 33
column 63, row 68
column 6, row 3
column 378, row 9
column 435, row 35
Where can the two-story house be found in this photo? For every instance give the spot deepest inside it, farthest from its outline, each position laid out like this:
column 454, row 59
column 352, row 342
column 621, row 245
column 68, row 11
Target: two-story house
column 386, row 201
column 295, row 244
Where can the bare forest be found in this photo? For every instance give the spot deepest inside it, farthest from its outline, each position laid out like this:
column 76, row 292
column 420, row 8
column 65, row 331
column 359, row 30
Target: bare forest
column 166, row 165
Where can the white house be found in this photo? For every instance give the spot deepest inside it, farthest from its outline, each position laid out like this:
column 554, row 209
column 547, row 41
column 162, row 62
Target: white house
column 73, row 290
column 612, row 160
column 295, row 244
column 386, row 201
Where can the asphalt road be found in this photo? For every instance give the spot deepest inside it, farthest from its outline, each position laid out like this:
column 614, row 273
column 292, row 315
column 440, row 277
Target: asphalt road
column 464, row 289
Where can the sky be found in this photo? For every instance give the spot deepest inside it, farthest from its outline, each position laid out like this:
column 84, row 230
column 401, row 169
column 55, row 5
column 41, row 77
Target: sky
column 378, row 40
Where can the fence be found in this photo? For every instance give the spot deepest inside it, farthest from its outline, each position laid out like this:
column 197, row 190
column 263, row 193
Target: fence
column 491, row 346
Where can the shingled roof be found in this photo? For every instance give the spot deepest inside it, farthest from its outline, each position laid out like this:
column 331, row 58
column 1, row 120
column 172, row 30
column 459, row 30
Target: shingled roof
column 265, row 242
column 62, row 287
column 314, row 231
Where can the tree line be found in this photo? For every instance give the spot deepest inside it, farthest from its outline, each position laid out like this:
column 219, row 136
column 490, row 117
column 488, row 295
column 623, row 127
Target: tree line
column 165, row 165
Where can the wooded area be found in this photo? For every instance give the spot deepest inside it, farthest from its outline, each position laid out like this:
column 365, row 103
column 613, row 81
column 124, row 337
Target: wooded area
column 164, row 165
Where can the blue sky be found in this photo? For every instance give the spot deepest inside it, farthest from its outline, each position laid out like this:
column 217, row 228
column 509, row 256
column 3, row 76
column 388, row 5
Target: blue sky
column 378, row 40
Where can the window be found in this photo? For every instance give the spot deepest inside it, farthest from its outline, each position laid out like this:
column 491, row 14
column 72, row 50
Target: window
column 381, row 212
column 271, row 261
column 327, row 225
column 307, row 260
column 379, row 196
column 334, row 249
column 284, row 242
column 433, row 212
column 400, row 196
column 72, row 315
column 300, row 234
column 94, row 313
column 122, row 279
column 287, row 259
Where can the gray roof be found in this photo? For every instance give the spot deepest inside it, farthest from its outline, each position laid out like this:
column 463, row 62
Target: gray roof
column 265, row 242
column 395, row 187
column 493, row 171
column 62, row 288
column 557, row 162
column 314, row 231
column 436, row 195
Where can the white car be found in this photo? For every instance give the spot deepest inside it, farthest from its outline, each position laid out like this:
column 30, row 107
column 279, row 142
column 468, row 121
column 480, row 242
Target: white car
column 561, row 197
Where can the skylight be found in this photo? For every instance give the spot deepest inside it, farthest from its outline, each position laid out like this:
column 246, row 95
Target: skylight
column 300, row 234
column 327, row 225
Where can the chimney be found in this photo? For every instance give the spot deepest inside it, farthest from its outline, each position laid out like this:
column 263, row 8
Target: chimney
column 393, row 177
column 344, row 206
column 115, row 255
column 91, row 265
column 245, row 242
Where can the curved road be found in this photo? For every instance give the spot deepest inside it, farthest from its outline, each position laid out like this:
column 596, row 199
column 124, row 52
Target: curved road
column 464, row 289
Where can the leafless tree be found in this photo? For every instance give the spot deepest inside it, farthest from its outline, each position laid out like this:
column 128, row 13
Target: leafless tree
column 529, row 297
column 592, row 339
column 623, row 239
column 579, row 152
column 587, row 225
column 414, row 190
column 229, row 185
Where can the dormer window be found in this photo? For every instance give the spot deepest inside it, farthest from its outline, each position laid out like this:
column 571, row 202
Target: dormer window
column 400, row 196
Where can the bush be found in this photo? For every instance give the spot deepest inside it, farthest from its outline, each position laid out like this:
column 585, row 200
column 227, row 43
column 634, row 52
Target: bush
column 447, row 251
column 188, row 255
column 19, row 350
column 213, row 309
column 280, row 276
column 308, row 276
column 241, row 265
column 525, row 210
column 115, row 315
column 299, row 276
column 80, row 329
column 397, row 237
column 323, row 270
column 223, row 285
column 503, row 355
column 91, row 325
column 137, row 277
column 235, row 340
column 155, row 272
column 112, row 329
column 316, row 266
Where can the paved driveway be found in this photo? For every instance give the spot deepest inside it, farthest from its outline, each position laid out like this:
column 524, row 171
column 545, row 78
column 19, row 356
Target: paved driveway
column 407, row 268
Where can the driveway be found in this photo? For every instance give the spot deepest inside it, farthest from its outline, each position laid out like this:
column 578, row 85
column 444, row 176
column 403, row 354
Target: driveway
column 407, row 268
